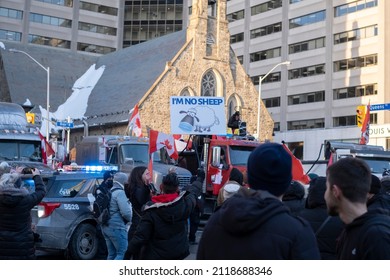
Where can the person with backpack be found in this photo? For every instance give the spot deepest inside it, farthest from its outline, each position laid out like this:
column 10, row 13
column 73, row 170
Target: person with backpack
column 367, row 232
column 120, row 214
column 102, row 191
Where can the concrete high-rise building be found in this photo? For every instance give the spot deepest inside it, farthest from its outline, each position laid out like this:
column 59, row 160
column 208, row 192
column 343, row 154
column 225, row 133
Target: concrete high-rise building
column 145, row 20
column 339, row 59
column 94, row 26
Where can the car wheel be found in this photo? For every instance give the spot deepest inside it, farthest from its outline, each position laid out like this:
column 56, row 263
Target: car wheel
column 83, row 244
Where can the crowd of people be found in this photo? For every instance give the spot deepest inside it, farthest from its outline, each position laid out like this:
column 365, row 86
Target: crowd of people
column 345, row 215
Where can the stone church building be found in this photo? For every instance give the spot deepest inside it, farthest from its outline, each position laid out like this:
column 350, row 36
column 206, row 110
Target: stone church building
column 193, row 62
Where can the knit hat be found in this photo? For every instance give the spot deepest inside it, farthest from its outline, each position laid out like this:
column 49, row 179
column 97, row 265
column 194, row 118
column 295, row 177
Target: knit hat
column 108, row 174
column 375, row 184
column 236, row 175
column 385, row 183
column 269, row 169
column 120, row 177
column 229, row 190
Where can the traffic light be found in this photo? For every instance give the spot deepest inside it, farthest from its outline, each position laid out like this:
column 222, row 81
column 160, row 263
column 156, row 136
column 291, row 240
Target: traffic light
column 360, row 114
column 30, row 118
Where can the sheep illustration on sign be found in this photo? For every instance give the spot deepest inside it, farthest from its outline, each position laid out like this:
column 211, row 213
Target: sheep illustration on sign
column 198, row 115
column 187, row 123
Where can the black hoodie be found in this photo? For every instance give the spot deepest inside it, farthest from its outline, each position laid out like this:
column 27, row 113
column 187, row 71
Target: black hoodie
column 366, row 238
column 248, row 226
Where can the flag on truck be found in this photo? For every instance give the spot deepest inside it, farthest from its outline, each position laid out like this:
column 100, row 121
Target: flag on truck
column 46, row 149
column 159, row 140
column 135, row 122
column 298, row 174
column 365, row 137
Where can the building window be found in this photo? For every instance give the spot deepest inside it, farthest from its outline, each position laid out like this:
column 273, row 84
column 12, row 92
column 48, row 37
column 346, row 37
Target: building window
column 10, row 35
column 208, row 84
column 306, row 124
column 97, row 28
column 276, row 126
column 11, row 13
column 50, row 20
column 237, row 38
column 48, row 41
column 355, row 62
column 98, row 8
column 351, row 120
column 295, row 1
column 272, row 102
column 271, row 78
column 266, row 54
column 265, row 7
column 307, row 45
column 66, row 3
column 355, row 91
column 266, row 30
column 306, row 71
column 236, row 16
column 232, row 106
column 94, row 48
column 354, row 7
column 356, row 34
column 310, row 97
column 307, row 19
column 240, row 59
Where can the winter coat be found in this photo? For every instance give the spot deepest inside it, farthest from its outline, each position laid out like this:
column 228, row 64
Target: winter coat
column 366, row 238
column 253, row 226
column 293, row 198
column 16, row 235
column 162, row 232
column 315, row 212
column 120, row 208
column 138, row 199
column 379, row 200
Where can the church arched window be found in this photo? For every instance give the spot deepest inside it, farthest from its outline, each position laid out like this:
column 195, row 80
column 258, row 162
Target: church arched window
column 208, row 84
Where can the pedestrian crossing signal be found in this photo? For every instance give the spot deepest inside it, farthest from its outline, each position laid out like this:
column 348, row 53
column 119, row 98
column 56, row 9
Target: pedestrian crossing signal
column 360, row 114
column 30, row 118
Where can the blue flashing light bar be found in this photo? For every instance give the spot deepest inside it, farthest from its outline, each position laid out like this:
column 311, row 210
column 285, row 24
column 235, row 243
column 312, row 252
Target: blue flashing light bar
column 90, row 168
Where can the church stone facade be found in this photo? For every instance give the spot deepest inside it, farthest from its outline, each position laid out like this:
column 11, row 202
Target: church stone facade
column 205, row 66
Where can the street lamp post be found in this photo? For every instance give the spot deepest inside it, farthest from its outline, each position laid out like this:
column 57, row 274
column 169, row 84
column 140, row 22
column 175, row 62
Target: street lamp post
column 47, row 88
column 259, row 99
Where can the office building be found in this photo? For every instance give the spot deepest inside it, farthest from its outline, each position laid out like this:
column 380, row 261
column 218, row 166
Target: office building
column 338, row 53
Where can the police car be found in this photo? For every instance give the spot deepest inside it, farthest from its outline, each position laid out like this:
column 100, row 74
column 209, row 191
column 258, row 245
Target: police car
column 64, row 219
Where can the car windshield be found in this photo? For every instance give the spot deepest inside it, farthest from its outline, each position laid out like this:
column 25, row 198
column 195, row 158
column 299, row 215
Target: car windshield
column 21, row 150
column 377, row 165
column 138, row 153
column 239, row 154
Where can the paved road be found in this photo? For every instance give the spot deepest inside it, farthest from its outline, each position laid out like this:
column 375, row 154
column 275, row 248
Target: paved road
column 56, row 255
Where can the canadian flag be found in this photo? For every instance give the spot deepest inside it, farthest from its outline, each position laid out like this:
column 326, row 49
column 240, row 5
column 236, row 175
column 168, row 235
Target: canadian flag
column 46, row 149
column 135, row 122
column 298, row 174
column 159, row 140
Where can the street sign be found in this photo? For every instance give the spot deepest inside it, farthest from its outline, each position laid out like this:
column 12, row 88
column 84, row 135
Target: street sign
column 380, row 107
column 65, row 124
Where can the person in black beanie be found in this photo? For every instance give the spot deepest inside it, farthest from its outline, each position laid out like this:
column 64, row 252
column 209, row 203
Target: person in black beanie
column 254, row 224
column 376, row 197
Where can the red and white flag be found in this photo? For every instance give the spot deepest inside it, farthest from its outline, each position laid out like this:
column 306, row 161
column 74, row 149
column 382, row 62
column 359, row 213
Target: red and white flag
column 159, row 140
column 365, row 137
column 298, row 173
column 46, row 149
column 135, row 122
